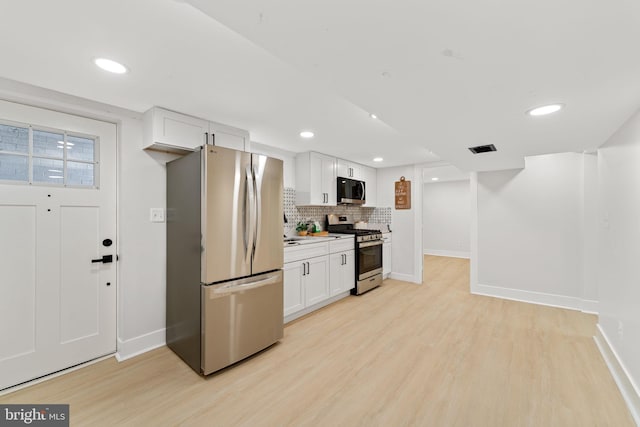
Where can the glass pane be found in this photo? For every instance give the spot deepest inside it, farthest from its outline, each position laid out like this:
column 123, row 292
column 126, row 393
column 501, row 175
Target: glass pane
column 47, row 170
column 79, row 148
column 14, row 168
column 80, row 174
column 14, row 139
column 48, row 144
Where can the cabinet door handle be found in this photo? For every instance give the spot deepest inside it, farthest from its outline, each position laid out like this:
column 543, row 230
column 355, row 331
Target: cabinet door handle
column 206, row 138
column 304, row 269
column 308, row 268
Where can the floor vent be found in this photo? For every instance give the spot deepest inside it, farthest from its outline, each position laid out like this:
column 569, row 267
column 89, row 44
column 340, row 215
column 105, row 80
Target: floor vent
column 482, row 149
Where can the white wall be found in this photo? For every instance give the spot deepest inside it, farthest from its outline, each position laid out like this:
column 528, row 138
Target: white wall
column 590, row 233
column 619, row 246
column 529, row 225
column 142, row 264
column 445, row 218
column 141, row 244
column 406, row 256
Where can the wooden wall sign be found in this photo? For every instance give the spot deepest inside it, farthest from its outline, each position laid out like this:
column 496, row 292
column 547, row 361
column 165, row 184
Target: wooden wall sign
column 403, row 194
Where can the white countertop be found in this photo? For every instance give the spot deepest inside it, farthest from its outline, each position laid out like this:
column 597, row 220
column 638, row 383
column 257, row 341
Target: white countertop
column 305, row 240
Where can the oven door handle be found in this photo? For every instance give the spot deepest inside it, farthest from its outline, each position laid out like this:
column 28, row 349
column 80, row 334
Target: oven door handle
column 371, row 243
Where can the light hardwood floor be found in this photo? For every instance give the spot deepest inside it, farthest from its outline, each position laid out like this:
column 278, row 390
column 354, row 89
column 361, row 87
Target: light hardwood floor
column 403, row 354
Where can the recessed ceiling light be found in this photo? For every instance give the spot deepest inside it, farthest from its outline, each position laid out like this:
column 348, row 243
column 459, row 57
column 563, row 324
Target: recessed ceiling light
column 545, row 109
column 55, row 177
column 306, row 134
column 110, row 66
column 435, row 178
column 373, row 116
column 378, row 159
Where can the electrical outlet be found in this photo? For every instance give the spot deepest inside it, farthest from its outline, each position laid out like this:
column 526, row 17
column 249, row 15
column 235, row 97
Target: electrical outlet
column 157, row 215
column 620, row 329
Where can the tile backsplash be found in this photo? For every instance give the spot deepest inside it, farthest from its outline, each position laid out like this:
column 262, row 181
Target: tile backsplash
column 296, row 214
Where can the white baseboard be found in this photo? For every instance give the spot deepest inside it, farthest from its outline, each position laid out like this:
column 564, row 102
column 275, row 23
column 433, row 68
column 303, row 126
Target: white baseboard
column 589, row 306
column 403, row 277
column 630, row 392
column 138, row 345
column 551, row 300
column 540, row 298
column 452, row 254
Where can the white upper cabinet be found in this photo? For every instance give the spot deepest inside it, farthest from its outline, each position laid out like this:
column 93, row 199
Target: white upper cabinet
column 371, row 187
column 167, row 130
column 229, row 137
column 315, row 179
column 347, row 169
column 174, row 132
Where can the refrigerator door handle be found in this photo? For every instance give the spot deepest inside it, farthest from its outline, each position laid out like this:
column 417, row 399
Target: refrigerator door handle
column 248, row 224
column 233, row 287
column 257, row 199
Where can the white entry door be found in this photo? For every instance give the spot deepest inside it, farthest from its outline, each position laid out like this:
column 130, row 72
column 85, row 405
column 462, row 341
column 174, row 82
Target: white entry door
column 57, row 222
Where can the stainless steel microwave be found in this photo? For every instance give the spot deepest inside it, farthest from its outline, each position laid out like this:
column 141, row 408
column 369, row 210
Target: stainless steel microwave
column 351, row 191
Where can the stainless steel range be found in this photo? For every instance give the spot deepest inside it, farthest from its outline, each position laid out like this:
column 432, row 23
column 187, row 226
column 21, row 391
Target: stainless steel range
column 368, row 245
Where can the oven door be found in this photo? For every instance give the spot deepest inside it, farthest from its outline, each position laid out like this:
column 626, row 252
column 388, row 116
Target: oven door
column 369, row 259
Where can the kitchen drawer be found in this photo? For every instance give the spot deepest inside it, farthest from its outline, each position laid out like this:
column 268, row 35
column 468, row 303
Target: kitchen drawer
column 340, row 245
column 297, row 253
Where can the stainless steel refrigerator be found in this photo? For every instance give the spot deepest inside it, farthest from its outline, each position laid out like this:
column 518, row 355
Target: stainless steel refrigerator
column 224, row 256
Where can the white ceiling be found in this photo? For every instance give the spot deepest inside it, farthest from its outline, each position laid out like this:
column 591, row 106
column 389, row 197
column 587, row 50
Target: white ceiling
column 436, row 173
column 442, row 75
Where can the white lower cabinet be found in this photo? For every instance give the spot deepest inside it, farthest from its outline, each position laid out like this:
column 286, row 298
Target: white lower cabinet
column 293, row 287
column 342, row 274
column 316, row 274
column 306, row 283
column 316, row 280
column 386, row 255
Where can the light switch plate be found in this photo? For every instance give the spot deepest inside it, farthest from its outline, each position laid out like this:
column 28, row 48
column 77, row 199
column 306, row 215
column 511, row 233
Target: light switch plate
column 157, row 215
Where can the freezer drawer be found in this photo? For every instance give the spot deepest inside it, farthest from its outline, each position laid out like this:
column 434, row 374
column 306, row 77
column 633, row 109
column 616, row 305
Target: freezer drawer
column 240, row 318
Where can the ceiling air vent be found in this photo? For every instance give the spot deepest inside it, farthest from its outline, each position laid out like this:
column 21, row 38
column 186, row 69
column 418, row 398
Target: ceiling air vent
column 482, row 149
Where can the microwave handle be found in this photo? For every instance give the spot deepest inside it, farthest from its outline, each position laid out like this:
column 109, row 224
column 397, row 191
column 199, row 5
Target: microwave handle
column 362, row 184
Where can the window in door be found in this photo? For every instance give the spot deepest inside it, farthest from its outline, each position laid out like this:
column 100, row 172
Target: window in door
column 30, row 154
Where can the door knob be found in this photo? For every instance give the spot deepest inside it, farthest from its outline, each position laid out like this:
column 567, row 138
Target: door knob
column 105, row 259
